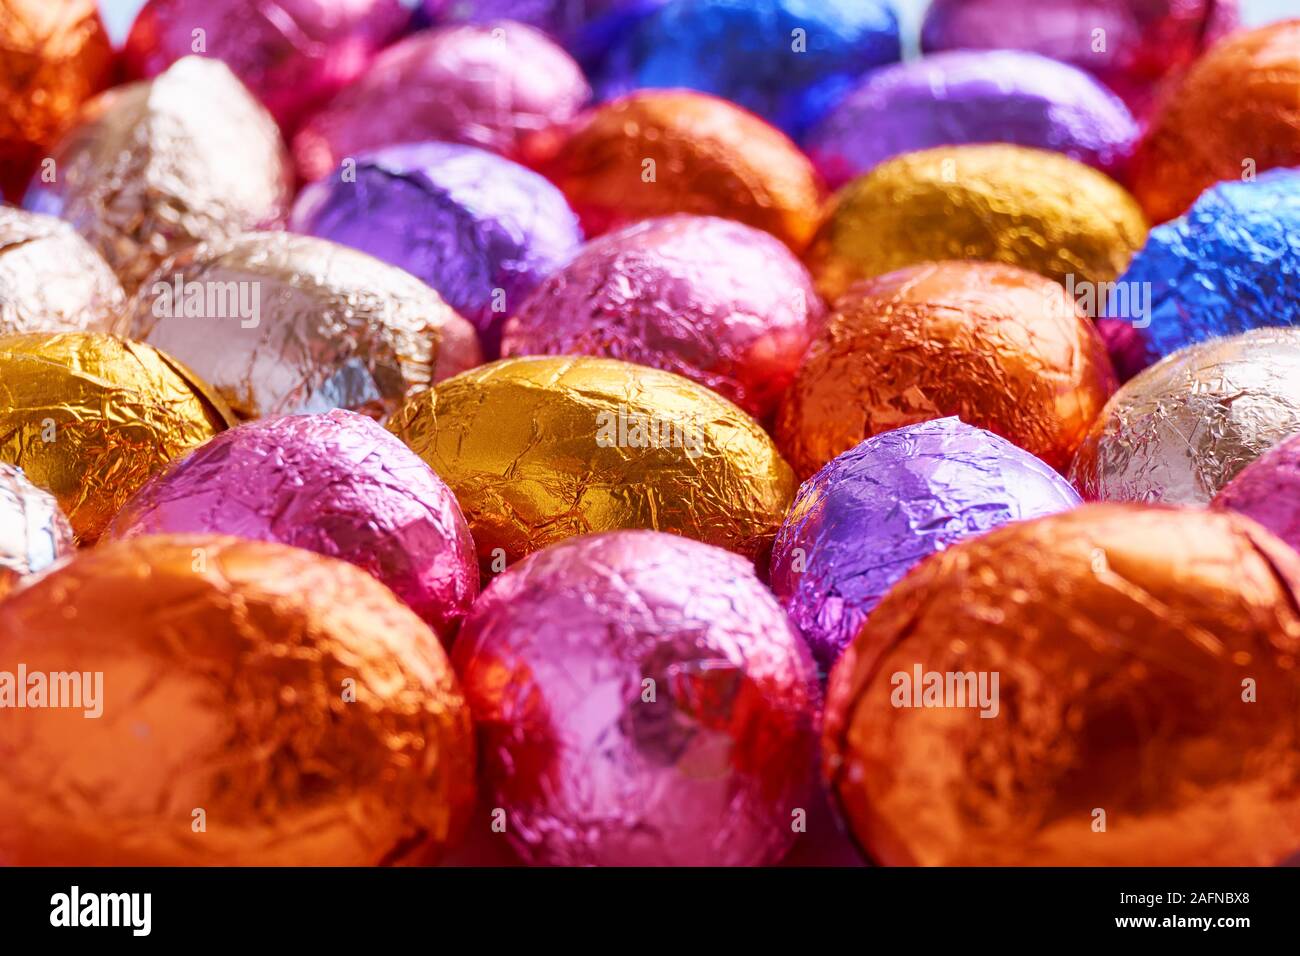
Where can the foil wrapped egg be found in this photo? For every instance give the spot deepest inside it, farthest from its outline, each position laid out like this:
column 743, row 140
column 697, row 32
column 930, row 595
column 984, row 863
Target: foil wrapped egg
column 51, row 280
column 488, row 86
column 249, row 704
column 1234, row 114
column 640, row 700
column 540, row 449
column 1027, row 207
column 994, row 96
column 1182, row 429
column 1268, row 490
column 292, row 55
column 53, row 57
column 481, row 230
column 716, row 301
column 283, row 324
column 33, row 531
column 338, row 484
column 157, row 165
column 873, row 513
column 1111, row 686
column 997, row 346
column 786, row 60
column 658, row 152
column 90, row 418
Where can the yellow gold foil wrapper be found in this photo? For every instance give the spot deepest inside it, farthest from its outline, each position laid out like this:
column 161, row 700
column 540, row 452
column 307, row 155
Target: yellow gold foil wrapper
column 540, row 449
column 1145, row 706
column 1025, row 207
column 90, row 417
column 258, row 705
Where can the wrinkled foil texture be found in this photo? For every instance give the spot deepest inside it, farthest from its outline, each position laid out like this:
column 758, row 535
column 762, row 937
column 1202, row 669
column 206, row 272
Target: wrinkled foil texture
column 90, row 418
column 999, row 347
column 157, row 165
column 1234, row 113
column 716, row 301
column 338, row 484
column 541, row 449
column 33, row 532
column 786, row 60
column 1126, row 346
column 51, row 280
column 335, row 328
column 1027, row 207
column 1268, row 490
column 293, row 55
column 1231, row 264
column 310, row 715
column 1123, row 637
column 996, row 96
column 1182, row 429
column 488, row 86
column 664, row 151
column 481, row 230
column 640, row 700
column 870, row 515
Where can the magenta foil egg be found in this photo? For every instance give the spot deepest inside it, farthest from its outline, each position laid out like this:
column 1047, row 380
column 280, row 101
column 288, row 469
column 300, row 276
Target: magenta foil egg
column 640, row 699
column 713, row 300
column 1268, row 490
column 489, row 86
column 338, row 484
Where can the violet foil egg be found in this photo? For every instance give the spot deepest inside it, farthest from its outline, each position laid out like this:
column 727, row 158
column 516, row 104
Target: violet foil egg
column 1268, row 490
column 488, row 86
column 481, row 230
column 719, row 302
column 640, row 699
column 338, row 484
column 870, row 515
column 999, row 96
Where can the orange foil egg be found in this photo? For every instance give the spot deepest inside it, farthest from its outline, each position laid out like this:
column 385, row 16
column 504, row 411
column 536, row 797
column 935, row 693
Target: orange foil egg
column 1110, row 686
column 1001, row 348
column 657, row 152
column 225, row 702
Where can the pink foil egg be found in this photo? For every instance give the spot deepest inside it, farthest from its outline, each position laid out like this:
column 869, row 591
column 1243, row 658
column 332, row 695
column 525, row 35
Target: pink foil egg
column 1268, row 490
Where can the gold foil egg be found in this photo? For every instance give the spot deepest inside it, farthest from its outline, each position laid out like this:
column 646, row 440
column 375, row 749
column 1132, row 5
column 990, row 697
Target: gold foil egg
column 540, row 449
column 226, row 702
column 90, row 417
column 1026, row 207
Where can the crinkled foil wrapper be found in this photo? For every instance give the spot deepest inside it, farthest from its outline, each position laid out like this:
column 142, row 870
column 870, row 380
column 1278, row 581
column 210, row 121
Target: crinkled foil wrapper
column 293, row 55
column 157, row 165
column 261, row 705
column 994, row 96
column 541, row 449
column 786, row 60
column 33, row 532
column 1144, row 42
column 481, row 230
column 664, row 151
column 1235, row 111
column 1182, row 429
column 51, row 280
column 53, row 57
column 335, row 328
column 90, row 418
column 1146, row 704
column 489, row 86
column 873, row 513
column 338, row 484
column 1268, row 490
column 996, row 346
column 1231, row 264
column 716, row 301
column 1027, row 207
column 640, row 700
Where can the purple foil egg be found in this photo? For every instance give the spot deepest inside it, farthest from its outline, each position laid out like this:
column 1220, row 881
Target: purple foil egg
column 337, row 484
column 640, row 700
column 481, row 230
column 1000, row 96
column 873, row 513
column 1268, row 490
column 716, row 301
column 488, row 86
